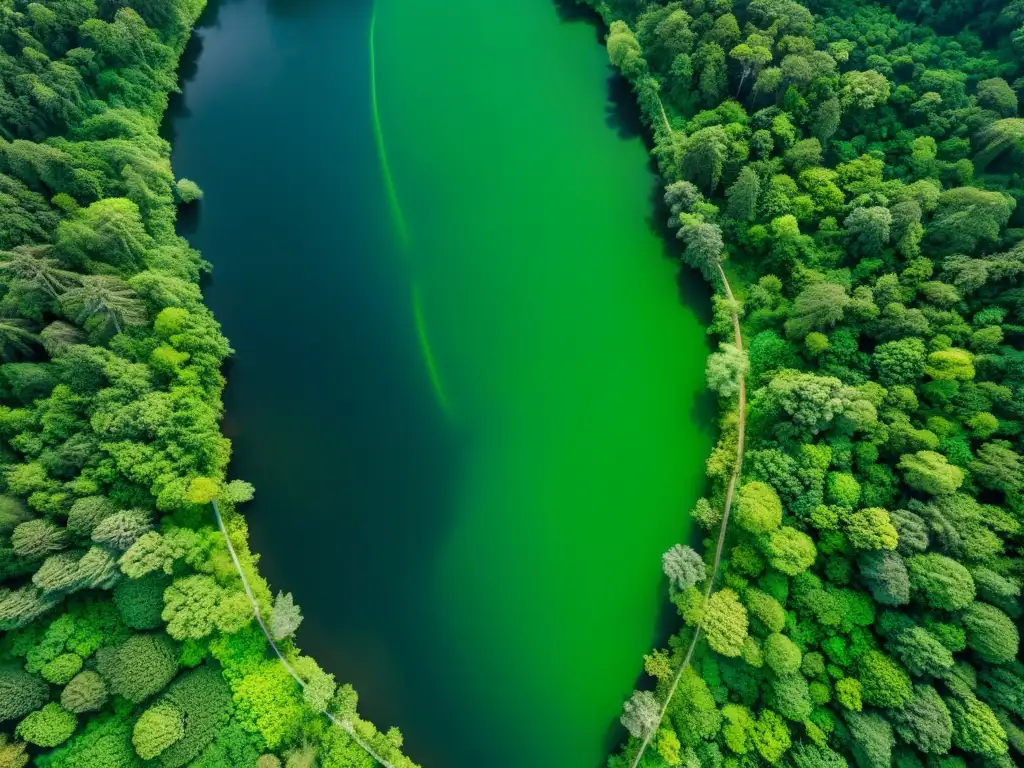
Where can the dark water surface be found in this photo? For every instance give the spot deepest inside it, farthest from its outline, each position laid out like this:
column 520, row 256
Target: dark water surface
column 472, row 443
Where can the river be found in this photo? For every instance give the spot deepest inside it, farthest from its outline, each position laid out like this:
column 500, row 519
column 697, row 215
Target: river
column 467, row 384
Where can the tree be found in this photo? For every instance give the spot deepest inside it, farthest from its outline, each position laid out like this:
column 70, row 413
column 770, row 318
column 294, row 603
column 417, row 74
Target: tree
column 12, row 513
column 86, row 513
column 12, row 754
column 47, row 727
column 122, row 529
column 871, row 740
column 683, row 567
column 188, row 191
column 975, row 726
column 900, row 362
column 864, row 90
column 711, row 64
column 37, row 538
column 804, row 154
column 743, row 195
column 725, row 368
column 826, row 120
column 848, row 693
column 640, row 714
column 285, row 618
column 157, row 728
column 869, row 229
column 930, row 472
column 950, row 365
column 842, row 489
column 753, row 55
column 886, row 576
column 965, row 216
column 996, row 138
column 205, row 699
column 32, row 265
column 85, row 693
column 107, row 301
column 704, row 247
column 920, row 652
column 883, row 682
column 140, row 667
column 765, row 608
column 997, row 95
column 871, row 529
column 624, row 51
column 999, row 467
column 924, row 722
column 61, row 669
column 758, row 508
column 110, row 230
column 790, row 696
column 781, row 654
column 141, row 601
column 990, row 633
column 724, row 622
column 791, row 551
column 704, row 156
column 817, row 308
column 940, row 581
column 192, row 606
column 770, row 735
column 20, row 693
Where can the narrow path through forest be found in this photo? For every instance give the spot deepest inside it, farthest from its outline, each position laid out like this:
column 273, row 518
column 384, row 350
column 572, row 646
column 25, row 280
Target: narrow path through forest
column 343, row 724
column 726, row 509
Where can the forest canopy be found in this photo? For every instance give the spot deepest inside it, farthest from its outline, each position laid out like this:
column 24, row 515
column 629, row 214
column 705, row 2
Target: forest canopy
column 848, row 176
column 127, row 636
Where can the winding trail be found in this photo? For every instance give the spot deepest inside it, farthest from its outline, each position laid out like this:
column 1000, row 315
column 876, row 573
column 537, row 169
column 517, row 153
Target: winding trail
column 726, row 509
column 345, row 725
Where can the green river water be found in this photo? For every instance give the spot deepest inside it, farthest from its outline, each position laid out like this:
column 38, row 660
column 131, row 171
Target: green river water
column 470, row 397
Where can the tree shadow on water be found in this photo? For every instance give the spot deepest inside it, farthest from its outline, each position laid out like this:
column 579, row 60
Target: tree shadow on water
column 572, row 10
column 621, row 112
column 188, row 67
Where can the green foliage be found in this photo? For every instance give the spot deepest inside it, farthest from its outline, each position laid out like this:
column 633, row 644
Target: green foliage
column 20, row 693
column 47, row 727
column 141, row 601
column 157, row 728
column 781, row 654
column 60, row 670
column 940, row 581
column 931, row 472
column 758, row 508
column 12, row 754
column 86, row 692
column 682, row 565
column 724, row 622
column 871, row 529
column 924, row 722
column 871, row 739
column 883, row 682
column 204, row 698
column 140, row 667
column 975, row 726
column 105, row 743
column 791, row 551
column 269, row 704
column 990, row 633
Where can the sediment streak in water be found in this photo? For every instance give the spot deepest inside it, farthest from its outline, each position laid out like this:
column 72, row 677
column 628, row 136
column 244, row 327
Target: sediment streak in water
column 402, row 228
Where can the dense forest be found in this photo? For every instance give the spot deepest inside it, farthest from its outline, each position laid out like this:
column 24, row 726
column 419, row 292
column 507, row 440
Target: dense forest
column 127, row 634
column 848, row 176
